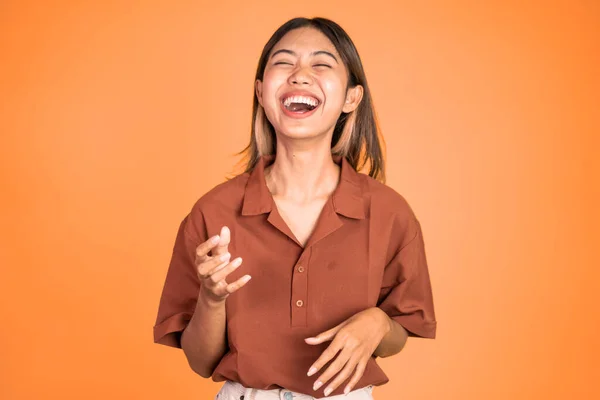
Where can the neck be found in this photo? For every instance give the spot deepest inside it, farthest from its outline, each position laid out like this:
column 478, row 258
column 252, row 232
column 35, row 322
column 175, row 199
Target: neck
column 302, row 175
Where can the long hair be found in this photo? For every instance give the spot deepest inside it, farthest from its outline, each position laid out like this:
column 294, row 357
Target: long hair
column 356, row 134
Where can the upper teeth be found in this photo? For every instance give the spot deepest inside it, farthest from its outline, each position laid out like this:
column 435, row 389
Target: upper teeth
column 301, row 99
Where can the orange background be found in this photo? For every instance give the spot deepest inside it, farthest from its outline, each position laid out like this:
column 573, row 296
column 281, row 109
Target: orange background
column 116, row 117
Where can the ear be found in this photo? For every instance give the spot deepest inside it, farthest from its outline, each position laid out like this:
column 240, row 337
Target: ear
column 353, row 97
column 258, row 88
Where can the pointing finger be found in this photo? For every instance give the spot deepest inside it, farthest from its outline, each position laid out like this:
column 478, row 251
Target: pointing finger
column 213, row 265
column 222, row 273
column 325, row 336
column 203, row 249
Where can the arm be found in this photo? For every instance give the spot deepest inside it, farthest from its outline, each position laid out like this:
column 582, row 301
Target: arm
column 203, row 341
column 191, row 313
column 405, row 308
column 394, row 340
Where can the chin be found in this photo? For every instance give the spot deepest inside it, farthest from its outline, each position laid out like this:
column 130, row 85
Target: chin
column 300, row 132
column 303, row 129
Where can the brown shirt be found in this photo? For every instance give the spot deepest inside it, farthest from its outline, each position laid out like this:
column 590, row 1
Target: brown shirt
column 366, row 250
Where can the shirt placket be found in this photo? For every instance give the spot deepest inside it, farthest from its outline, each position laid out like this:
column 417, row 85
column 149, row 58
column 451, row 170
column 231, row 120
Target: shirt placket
column 299, row 297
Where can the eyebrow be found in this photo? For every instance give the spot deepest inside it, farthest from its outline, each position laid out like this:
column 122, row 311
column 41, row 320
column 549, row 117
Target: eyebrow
column 314, row 53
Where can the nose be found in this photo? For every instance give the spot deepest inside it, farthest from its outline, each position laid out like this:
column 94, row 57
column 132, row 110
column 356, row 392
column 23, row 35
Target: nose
column 300, row 77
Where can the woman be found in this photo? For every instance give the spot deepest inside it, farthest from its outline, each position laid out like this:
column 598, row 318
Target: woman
column 337, row 261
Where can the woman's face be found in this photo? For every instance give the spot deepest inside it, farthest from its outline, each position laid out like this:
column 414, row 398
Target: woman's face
column 304, row 87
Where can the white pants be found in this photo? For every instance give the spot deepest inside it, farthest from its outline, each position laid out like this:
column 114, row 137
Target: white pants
column 235, row 391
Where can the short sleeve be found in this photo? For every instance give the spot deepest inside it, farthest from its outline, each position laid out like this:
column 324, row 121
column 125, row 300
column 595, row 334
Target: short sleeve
column 406, row 293
column 182, row 285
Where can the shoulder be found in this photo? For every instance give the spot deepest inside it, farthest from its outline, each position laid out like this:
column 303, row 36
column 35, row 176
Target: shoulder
column 224, row 198
column 387, row 199
column 226, row 195
column 392, row 210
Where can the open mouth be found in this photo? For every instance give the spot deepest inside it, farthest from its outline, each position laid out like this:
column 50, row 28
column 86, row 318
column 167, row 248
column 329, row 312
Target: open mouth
column 300, row 104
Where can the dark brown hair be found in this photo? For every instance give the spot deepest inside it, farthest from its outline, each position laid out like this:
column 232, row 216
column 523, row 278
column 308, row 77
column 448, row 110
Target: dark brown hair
column 356, row 135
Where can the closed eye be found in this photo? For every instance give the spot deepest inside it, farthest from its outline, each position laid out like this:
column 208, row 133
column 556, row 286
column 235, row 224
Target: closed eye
column 323, row 65
column 282, row 63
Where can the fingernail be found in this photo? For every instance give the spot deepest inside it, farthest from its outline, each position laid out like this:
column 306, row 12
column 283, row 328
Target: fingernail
column 247, row 278
column 317, row 385
column 225, row 257
column 328, row 391
column 312, row 371
column 215, row 239
column 347, row 390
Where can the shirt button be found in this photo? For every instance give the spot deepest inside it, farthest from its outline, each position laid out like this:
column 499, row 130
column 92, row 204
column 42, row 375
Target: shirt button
column 299, row 303
column 301, row 269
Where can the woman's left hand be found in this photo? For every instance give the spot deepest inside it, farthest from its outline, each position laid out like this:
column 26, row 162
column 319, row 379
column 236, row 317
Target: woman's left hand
column 355, row 340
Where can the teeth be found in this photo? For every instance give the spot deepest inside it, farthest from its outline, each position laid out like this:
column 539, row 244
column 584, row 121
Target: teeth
column 301, row 99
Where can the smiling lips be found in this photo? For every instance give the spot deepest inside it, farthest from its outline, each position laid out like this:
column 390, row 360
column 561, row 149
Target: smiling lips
column 299, row 104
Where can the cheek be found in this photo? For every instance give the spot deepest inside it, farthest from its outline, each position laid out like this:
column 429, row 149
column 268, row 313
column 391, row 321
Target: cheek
column 335, row 92
column 271, row 82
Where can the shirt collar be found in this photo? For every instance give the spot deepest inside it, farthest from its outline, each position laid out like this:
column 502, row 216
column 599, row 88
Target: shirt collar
column 347, row 198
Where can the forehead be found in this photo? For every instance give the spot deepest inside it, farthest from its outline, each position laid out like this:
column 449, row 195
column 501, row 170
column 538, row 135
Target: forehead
column 305, row 40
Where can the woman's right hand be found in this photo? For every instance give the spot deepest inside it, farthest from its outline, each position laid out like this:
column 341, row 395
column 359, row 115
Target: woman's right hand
column 213, row 269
